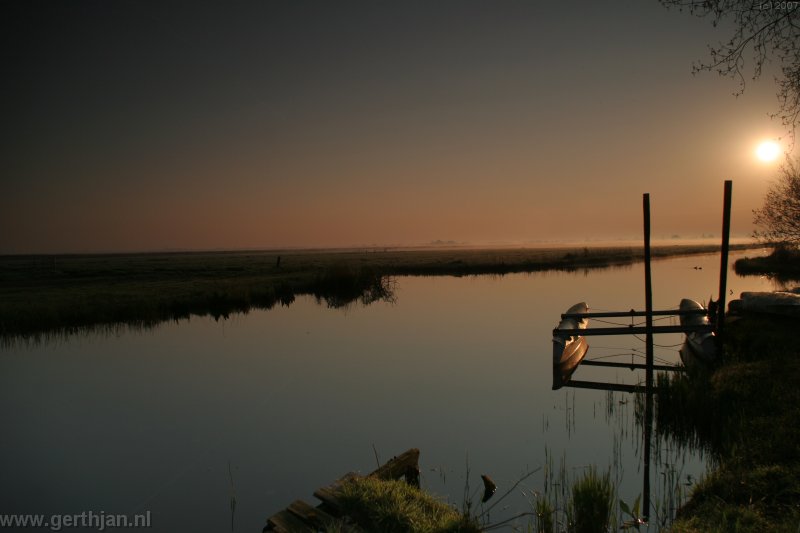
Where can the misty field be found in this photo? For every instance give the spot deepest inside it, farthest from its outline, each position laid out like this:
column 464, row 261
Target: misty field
column 56, row 295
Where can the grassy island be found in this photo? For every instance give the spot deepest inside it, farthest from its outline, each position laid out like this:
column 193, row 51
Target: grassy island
column 783, row 263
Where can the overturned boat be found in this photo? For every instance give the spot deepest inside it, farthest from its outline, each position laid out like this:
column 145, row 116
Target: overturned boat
column 780, row 303
column 569, row 350
column 700, row 346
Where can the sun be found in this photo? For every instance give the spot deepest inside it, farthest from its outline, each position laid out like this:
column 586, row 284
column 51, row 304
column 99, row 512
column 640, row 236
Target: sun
column 768, row 151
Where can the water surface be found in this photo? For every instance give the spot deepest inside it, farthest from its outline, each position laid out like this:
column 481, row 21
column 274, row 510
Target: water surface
column 294, row 397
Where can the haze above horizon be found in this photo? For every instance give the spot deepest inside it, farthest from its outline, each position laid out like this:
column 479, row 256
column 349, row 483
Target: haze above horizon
column 134, row 126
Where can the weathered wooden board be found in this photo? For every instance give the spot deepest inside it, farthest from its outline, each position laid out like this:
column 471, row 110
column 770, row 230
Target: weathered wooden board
column 301, row 517
column 286, row 522
column 311, row 515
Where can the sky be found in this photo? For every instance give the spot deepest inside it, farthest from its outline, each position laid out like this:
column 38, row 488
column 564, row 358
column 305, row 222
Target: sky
column 134, row 125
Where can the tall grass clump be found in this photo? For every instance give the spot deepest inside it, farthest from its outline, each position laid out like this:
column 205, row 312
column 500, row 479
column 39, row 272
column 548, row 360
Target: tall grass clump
column 592, row 503
column 341, row 284
column 545, row 515
column 397, row 507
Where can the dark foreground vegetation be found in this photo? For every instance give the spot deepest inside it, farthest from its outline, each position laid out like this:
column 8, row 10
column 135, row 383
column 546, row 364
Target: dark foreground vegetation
column 783, row 264
column 53, row 295
column 396, row 507
column 745, row 414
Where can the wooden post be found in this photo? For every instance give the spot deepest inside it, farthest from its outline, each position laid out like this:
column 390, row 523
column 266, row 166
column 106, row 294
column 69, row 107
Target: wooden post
column 648, row 411
column 723, row 265
column 648, row 293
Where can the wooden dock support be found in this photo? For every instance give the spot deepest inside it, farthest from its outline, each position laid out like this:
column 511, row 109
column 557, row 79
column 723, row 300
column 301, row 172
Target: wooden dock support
column 632, row 366
column 302, row 517
column 633, row 313
column 594, row 385
column 630, row 330
column 649, row 330
column 723, row 262
column 648, row 411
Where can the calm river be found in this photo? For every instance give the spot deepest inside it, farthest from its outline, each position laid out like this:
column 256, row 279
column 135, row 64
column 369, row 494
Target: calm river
column 271, row 405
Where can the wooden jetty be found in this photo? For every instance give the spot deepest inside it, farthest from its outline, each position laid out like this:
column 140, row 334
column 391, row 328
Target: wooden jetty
column 302, row 517
column 715, row 325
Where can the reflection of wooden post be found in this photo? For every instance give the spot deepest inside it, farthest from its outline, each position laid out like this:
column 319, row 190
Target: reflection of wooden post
column 723, row 265
column 648, row 430
column 648, row 411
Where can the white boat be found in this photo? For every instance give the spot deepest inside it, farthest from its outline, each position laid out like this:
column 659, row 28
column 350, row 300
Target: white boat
column 569, row 350
column 700, row 346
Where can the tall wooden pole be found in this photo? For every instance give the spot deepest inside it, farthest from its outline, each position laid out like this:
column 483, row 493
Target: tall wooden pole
column 648, row 292
column 648, row 411
column 723, row 265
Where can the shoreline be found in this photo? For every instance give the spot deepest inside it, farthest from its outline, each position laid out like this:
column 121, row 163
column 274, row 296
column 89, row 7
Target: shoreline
column 60, row 295
column 745, row 419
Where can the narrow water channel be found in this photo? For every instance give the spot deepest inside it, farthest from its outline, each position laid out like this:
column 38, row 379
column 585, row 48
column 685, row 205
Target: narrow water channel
column 294, row 397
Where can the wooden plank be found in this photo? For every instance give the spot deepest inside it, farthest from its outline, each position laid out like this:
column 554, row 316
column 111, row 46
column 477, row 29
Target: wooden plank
column 329, row 496
column 302, row 517
column 632, row 366
column 404, row 465
column 623, row 314
column 286, row 522
column 629, row 330
column 311, row 515
column 618, row 387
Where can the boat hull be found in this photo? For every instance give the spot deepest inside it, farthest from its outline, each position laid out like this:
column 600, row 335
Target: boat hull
column 569, row 350
column 571, row 357
column 699, row 347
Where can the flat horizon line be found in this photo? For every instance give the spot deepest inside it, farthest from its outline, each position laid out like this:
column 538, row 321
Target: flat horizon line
column 433, row 245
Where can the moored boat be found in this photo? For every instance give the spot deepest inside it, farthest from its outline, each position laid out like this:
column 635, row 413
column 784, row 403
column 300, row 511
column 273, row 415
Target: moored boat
column 569, row 350
column 700, row 346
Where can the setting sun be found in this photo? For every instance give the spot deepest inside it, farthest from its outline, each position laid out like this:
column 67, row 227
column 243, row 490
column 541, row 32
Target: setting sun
column 768, row 151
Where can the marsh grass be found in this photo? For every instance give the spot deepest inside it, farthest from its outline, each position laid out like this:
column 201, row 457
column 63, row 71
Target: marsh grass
column 744, row 414
column 575, row 503
column 43, row 297
column 397, row 507
column 783, row 264
column 545, row 515
column 592, row 504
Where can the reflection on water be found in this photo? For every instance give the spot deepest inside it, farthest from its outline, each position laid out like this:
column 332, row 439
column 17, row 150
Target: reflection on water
column 292, row 398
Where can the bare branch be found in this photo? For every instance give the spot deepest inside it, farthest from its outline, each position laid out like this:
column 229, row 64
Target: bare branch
column 768, row 32
column 779, row 217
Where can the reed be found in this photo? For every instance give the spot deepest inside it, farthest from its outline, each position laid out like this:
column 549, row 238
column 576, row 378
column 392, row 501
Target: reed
column 592, row 503
column 545, row 515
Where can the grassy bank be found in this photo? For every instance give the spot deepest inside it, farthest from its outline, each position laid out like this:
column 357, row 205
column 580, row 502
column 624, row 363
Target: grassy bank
column 396, row 507
column 375, row 504
column 745, row 414
column 782, row 263
column 53, row 295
